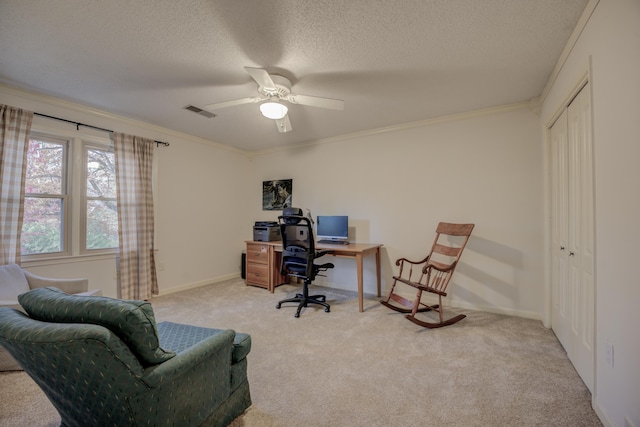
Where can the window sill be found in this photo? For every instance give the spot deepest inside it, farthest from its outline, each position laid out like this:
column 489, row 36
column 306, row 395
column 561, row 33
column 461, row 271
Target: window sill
column 66, row 259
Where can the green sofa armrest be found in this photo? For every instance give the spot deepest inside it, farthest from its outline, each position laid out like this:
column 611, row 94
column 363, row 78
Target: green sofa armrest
column 186, row 387
column 215, row 349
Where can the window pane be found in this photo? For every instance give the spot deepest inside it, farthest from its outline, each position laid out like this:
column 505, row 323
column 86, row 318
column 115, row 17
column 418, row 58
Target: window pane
column 44, row 167
column 101, row 173
column 42, row 226
column 102, row 224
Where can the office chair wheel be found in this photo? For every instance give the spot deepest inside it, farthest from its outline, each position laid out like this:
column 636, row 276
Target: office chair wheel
column 278, row 306
column 326, row 310
column 296, row 315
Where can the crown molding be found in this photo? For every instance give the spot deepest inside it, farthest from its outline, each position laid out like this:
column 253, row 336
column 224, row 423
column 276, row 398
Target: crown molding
column 404, row 126
column 159, row 132
column 155, row 131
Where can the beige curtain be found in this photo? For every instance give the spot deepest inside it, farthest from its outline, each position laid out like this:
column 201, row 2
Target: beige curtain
column 134, row 158
column 15, row 125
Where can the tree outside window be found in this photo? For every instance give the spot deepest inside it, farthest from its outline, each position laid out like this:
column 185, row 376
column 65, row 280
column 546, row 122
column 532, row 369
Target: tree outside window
column 50, row 206
column 101, row 206
column 45, row 197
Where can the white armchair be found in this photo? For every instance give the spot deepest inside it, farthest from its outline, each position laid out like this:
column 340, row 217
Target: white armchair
column 15, row 281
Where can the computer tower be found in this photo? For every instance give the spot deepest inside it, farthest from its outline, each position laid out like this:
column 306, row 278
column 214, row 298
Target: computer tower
column 243, row 265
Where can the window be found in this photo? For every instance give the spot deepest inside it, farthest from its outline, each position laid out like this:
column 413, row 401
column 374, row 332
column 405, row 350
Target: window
column 100, row 207
column 46, row 199
column 59, row 221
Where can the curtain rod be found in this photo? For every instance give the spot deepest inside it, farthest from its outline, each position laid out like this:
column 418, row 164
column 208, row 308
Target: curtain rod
column 78, row 124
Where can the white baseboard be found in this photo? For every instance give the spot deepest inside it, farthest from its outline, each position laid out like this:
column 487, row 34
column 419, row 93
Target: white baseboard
column 606, row 422
column 454, row 303
column 497, row 310
column 198, row 284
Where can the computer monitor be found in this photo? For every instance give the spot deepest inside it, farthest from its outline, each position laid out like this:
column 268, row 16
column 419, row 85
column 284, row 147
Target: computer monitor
column 332, row 229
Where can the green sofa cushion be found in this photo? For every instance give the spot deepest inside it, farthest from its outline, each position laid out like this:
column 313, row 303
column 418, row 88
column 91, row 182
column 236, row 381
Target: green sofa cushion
column 179, row 337
column 132, row 321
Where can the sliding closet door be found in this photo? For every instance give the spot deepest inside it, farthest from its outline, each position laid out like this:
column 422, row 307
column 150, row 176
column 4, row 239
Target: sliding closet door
column 572, row 229
column 561, row 294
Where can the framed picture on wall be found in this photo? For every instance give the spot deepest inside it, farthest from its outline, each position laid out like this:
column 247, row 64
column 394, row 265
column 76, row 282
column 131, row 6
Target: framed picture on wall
column 276, row 195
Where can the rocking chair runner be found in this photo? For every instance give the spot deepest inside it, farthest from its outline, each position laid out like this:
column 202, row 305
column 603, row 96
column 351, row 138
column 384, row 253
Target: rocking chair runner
column 431, row 274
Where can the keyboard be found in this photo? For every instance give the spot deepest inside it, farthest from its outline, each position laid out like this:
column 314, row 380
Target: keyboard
column 333, row 242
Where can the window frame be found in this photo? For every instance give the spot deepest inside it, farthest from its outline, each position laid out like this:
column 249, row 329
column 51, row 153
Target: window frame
column 84, row 198
column 67, row 201
column 75, row 213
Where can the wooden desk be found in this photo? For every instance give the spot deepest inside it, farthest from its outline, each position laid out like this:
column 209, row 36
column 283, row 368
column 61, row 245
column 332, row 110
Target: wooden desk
column 262, row 265
column 271, row 250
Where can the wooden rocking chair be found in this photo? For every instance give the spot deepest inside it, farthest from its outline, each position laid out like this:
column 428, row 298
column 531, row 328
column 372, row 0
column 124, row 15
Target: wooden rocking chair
column 432, row 274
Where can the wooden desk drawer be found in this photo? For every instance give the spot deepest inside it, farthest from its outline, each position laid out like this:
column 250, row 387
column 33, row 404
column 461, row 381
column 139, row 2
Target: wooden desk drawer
column 258, row 253
column 258, row 274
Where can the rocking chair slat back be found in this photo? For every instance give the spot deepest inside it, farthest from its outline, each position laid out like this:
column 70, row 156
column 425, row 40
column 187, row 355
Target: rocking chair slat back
column 446, row 250
column 454, row 229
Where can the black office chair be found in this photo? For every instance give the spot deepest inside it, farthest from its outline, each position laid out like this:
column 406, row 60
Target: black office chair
column 298, row 255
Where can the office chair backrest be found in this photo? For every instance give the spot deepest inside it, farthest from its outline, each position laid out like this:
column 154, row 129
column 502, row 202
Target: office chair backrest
column 292, row 212
column 298, row 245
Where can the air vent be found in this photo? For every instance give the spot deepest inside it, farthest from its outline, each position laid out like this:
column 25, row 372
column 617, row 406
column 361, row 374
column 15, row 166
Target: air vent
column 200, row 111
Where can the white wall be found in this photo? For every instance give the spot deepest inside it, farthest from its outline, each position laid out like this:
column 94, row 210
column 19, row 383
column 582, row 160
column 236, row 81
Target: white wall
column 395, row 186
column 611, row 41
column 200, row 201
column 201, row 214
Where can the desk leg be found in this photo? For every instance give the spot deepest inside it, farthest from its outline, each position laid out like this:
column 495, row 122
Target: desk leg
column 378, row 271
column 275, row 277
column 360, row 282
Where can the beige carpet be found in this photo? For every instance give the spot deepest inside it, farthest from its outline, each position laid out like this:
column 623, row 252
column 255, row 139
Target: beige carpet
column 375, row 368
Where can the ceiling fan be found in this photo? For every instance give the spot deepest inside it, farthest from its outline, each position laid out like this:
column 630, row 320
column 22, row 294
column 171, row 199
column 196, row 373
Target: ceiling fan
column 272, row 90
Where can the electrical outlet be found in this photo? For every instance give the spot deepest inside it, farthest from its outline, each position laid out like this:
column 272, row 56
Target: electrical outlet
column 609, row 353
column 161, row 266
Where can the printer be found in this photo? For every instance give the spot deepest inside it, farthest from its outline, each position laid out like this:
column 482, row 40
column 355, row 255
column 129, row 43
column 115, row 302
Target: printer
column 266, row 231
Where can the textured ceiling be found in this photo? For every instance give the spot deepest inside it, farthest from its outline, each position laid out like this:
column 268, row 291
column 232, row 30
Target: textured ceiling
column 391, row 61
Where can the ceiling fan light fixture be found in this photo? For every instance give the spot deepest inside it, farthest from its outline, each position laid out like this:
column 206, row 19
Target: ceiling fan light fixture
column 273, row 110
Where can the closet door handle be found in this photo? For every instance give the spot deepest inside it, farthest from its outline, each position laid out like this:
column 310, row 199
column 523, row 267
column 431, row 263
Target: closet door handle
column 571, row 254
column 562, row 248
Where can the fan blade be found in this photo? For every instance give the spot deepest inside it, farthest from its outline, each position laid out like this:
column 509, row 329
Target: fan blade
column 316, row 101
column 284, row 124
column 232, row 103
column 262, row 78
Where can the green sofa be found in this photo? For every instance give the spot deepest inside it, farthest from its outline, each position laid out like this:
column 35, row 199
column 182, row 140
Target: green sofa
column 105, row 362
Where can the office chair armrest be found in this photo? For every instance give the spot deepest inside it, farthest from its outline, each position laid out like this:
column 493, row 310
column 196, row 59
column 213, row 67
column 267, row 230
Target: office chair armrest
column 324, row 267
column 323, row 253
